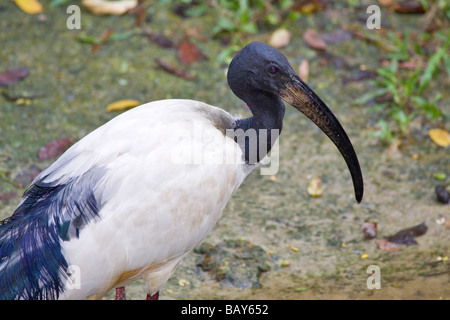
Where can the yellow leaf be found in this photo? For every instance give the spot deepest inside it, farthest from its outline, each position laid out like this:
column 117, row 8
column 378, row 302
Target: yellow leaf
column 29, row 6
column 122, row 105
column 183, row 282
column 315, row 187
column 364, row 256
column 280, row 38
column 440, row 136
column 285, row 263
column 103, row 7
column 295, row 249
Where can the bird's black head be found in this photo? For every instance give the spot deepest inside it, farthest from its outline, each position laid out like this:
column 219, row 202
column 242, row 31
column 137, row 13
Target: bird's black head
column 259, row 67
column 260, row 73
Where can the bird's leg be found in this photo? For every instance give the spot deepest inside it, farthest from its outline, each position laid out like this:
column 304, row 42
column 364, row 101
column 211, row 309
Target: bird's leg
column 153, row 297
column 120, row 293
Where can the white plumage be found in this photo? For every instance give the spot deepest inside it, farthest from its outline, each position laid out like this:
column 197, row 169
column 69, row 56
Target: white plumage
column 152, row 198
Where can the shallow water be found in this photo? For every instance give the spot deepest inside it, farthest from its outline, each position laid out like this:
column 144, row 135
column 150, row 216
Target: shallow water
column 73, row 87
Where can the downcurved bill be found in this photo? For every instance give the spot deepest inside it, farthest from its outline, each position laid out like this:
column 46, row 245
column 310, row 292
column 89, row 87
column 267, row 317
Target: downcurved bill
column 300, row 96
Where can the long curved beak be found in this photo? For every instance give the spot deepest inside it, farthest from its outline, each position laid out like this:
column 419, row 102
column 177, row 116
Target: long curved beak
column 300, row 96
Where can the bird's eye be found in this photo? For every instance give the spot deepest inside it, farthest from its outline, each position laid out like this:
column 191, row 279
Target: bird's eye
column 273, row 69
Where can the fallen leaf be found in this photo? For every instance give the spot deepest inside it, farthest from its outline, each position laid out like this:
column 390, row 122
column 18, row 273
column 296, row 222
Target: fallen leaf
column 12, row 76
column 183, row 282
column 315, row 187
column 388, row 246
column 54, row 148
column 364, row 256
column 308, row 6
column 303, row 70
column 188, row 53
column 408, row 6
column 295, row 249
column 440, row 136
column 313, row 39
column 280, row 38
column 406, row 236
column 122, row 105
column 285, row 263
column 410, row 64
column 140, row 12
column 386, row 2
column 195, row 32
column 176, row 71
column 105, row 7
column 442, row 194
column 29, row 6
column 440, row 176
column 443, row 220
column 102, row 39
column 160, row 39
column 369, row 230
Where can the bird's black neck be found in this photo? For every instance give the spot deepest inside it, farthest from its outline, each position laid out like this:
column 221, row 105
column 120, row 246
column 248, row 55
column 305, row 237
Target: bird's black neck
column 256, row 135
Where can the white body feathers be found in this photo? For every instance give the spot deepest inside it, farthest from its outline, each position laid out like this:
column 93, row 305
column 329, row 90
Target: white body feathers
column 159, row 196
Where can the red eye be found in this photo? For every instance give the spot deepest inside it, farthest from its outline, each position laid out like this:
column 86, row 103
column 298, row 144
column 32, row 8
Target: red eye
column 273, row 69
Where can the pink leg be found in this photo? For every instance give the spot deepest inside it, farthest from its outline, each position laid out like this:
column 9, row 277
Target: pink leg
column 153, row 297
column 120, row 293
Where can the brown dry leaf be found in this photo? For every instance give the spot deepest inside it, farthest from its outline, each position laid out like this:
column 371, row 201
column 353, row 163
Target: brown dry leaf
column 29, row 6
column 440, row 136
column 54, row 148
column 442, row 194
column 407, row 236
column 188, row 53
column 408, row 6
column 140, row 12
column 122, row 105
column 105, row 7
column 386, row 2
column 315, row 187
column 102, row 39
column 280, row 38
column 160, row 39
column 303, row 70
column 443, row 220
column 12, row 76
column 174, row 70
column 313, row 39
column 388, row 246
column 369, row 230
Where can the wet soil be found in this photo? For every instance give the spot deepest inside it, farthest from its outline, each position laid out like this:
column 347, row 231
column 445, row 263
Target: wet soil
column 308, row 248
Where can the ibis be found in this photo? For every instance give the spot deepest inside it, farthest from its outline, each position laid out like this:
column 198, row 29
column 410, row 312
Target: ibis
column 136, row 195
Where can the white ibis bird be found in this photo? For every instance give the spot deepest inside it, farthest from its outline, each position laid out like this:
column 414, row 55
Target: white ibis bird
column 134, row 196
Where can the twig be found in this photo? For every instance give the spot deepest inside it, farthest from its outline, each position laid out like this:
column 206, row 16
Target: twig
column 178, row 72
